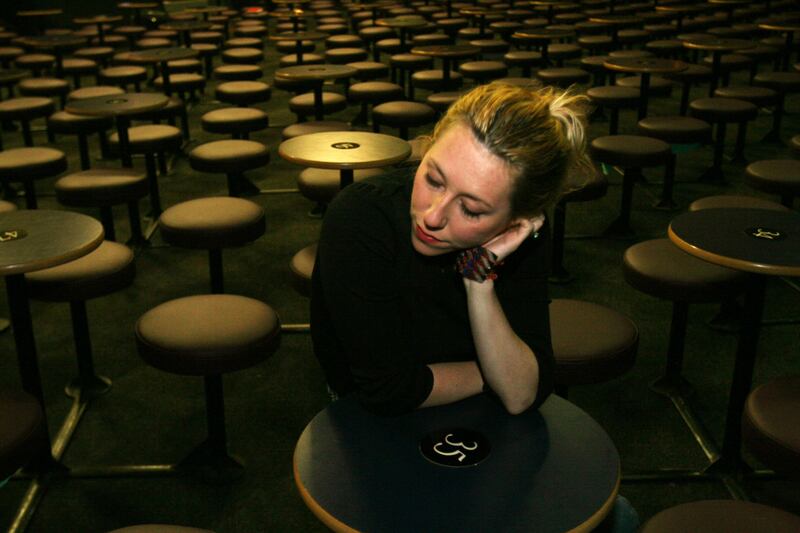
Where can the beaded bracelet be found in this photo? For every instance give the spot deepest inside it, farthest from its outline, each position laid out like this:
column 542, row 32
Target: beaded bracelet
column 477, row 264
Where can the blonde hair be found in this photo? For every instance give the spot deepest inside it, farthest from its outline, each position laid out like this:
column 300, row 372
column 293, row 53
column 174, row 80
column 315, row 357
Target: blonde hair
column 539, row 132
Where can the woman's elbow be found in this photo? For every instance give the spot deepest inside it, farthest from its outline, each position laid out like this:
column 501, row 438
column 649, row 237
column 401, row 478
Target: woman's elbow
column 519, row 404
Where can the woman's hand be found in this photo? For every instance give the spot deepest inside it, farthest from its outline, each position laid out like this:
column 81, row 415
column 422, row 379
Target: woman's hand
column 505, row 243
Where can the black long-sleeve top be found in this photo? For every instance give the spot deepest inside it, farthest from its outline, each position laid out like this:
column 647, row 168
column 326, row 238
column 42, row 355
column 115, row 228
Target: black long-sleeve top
column 381, row 312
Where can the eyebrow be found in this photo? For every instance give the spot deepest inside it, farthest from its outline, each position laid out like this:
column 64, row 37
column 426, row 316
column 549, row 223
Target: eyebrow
column 465, row 194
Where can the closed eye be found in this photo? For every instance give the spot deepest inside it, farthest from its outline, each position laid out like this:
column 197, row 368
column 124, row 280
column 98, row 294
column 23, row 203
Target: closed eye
column 468, row 213
column 432, row 182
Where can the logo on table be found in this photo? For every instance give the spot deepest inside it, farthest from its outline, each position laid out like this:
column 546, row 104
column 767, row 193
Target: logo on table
column 345, row 146
column 766, row 233
column 455, row 447
column 12, row 235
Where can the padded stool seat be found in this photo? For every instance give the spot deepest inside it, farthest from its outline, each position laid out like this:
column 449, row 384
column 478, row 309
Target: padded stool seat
column 722, row 516
column 182, row 83
column 50, row 87
column 658, row 86
column 212, row 223
column 525, row 59
column 22, row 431
column 441, row 101
column 402, row 115
column 238, row 72
column 563, row 77
column 94, row 92
column 236, row 121
column 301, row 267
column 341, row 56
column 316, row 126
column 81, row 125
column 771, row 424
column 308, row 59
column 29, row 164
column 25, row 109
column 230, row 157
column 303, row 104
column 369, row 70
column 6, row 206
column 433, row 80
column 614, row 98
column 605, row 348
column 207, row 334
column 721, row 111
column 243, row 92
column 731, row 200
column 322, row 184
column 123, row 76
column 371, row 93
column 150, row 138
column 775, row 176
column 248, row 56
column 483, row 71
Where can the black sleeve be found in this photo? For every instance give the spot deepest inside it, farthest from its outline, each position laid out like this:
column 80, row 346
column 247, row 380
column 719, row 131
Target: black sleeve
column 357, row 282
column 522, row 292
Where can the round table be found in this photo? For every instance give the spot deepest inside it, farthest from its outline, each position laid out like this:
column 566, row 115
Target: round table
column 162, row 56
column 318, row 74
column 717, row 47
column 344, row 150
column 550, row 470
column 100, row 21
column 787, row 27
column 541, row 37
column 136, row 8
column 680, row 11
column 761, row 242
column 402, row 23
column 33, row 240
column 185, row 28
column 645, row 67
column 480, row 13
column 298, row 37
column 56, row 44
column 119, row 106
column 447, row 53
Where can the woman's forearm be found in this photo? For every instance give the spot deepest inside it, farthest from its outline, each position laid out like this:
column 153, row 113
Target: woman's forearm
column 508, row 364
column 453, row 381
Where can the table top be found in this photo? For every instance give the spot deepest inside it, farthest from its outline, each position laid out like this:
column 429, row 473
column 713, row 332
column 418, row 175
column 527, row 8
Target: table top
column 446, row 50
column 718, row 44
column 549, row 470
column 616, row 20
column 97, row 19
column 754, row 240
column 156, row 55
column 33, row 239
column 186, row 25
column 39, row 12
column 315, row 72
column 53, row 41
column 299, row 36
column 117, row 104
column 137, row 5
column 648, row 65
column 402, row 21
column 13, row 74
column 344, row 149
column 780, row 24
column 542, row 34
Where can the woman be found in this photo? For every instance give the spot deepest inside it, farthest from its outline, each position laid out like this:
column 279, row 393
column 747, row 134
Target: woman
column 430, row 285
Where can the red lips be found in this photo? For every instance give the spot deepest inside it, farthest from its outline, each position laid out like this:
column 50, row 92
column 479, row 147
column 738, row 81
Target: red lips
column 424, row 237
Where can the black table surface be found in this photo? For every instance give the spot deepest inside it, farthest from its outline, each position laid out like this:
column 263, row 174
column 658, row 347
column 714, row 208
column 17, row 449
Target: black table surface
column 549, row 470
column 155, row 55
column 727, row 237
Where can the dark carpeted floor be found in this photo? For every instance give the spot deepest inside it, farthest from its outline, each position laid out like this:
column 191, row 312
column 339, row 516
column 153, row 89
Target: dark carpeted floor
column 150, row 417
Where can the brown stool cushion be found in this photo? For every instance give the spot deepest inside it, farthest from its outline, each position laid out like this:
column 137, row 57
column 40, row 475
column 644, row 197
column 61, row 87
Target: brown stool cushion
column 107, row 269
column 151, row 138
column 125, row 74
column 729, row 200
column 303, row 104
column 441, row 101
column 722, row 516
column 234, row 120
column 249, row 56
column 784, row 82
column 160, row 528
column 771, row 424
column 483, row 70
column 317, row 126
column 212, row 223
column 629, row 151
column 43, row 86
column 563, row 77
column 591, row 343
column 774, row 176
column 434, row 80
column 760, row 96
column 6, row 206
column 243, row 92
column 26, row 108
column 93, row 92
column 375, row 92
column 614, row 96
column 182, row 82
column 207, row 334
column 723, row 109
column 794, row 144
column 229, row 156
column 343, row 55
column 658, row 86
column 400, row 114
column 68, row 123
column 322, row 184
column 21, row 430
column 369, row 70
column 677, row 129
column 659, row 268
column 308, row 59
column 238, row 72
column 31, row 163
column 302, row 265
column 100, row 187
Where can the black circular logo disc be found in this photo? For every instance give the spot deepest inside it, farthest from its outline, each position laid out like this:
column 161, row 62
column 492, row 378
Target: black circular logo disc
column 454, row 447
column 345, row 145
column 767, row 234
column 7, row 235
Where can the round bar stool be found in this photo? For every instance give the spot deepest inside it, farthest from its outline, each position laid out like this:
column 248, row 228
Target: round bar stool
column 24, row 110
column 771, row 425
column 369, row 70
column 632, row 153
column 304, row 104
column 46, row 87
column 719, row 201
column 301, row 267
column 184, row 84
column 238, row 122
column 775, row 176
column 721, row 111
column 605, row 349
column 321, row 184
column 371, row 93
column 104, row 188
column 213, row 224
column 123, row 76
column 563, row 77
column 150, row 140
column 29, row 164
column 526, row 60
column 722, row 516
column 243, row 93
column 21, row 431
column 615, row 98
column 784, row 83
column 483, row 71
column 694, row 74
column 315, row 126
column 62, row 122
column 759, row 97
column 659, row 268
column 232, row 158
column 679, row 132
column 238, row 72
column 107, row 269
column 402, row 115
column 404, row 65
column 208, row 335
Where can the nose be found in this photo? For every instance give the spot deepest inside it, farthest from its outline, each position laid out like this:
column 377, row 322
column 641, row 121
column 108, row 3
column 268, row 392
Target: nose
column 435, row 217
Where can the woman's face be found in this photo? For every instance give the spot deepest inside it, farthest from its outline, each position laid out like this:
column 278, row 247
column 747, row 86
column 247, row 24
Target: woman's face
column 461, row 196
